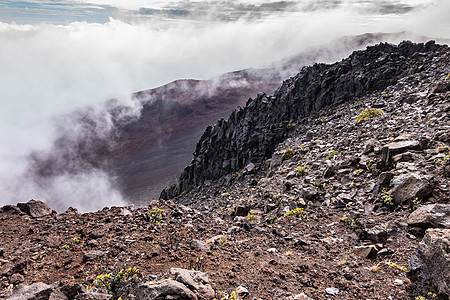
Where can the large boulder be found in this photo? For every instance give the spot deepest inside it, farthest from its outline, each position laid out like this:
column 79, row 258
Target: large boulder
column 394, row 148
column 407, row 187
column 430, row 216
column 196, row 281
column 430, row 264
column 35, row 208
column 37, row 291
column 164, row 289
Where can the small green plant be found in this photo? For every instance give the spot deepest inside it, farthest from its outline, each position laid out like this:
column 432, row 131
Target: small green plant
column 66, row 247
column 232, row 296
column 321, row 186
column 448, row 77
column 347, row 219
column 290, row 124
column 358, row 172
column 250, row 216
column 272, row 220
column 420, row 298
column 155, row 216
column 287, row 154
column 386, row 197
column 369, row 165
column 392, row 264
column 184, row 193
column 416, row 202
column 368, row 114
column 276, row 197
column 223, row 240
column 196, row 265
column 332, row 154
column 301, row 170
column 443, row 160
column 111, row 283
column 296, row 212
column 76, row 240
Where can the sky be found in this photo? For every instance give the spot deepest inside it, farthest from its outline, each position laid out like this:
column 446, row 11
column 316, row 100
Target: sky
column 60, row 55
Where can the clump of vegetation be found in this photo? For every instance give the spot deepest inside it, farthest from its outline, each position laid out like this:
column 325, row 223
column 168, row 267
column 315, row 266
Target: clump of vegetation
column 347, row 219
column 448, row 77
column 290, row 124
column 223, row 240
column 155, row 216
column 272, row 219
column 415, row 202
column 332, row 154
column 297, row 212
column 111, row 283
column 358, row 172
column 368, row 114
column 392, row 264
column 442, row 161
column 369, row 165
column 184, row 193
column 250, row 216
column 386, row 197
column 321, row 186
column 287, row 154
column 232, row 296
column 197, row 265
column 76, row 240
column 66, row 247
column 276, row 197
column 301, row 170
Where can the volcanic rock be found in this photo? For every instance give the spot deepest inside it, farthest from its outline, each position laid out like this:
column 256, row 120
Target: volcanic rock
column 35, row 208
column 432, row 215
column 164, row 289
column 430, row 263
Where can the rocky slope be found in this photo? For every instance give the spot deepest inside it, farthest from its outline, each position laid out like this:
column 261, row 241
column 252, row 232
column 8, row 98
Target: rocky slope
column 143, row 144
column 294, row 197
column 251, row 134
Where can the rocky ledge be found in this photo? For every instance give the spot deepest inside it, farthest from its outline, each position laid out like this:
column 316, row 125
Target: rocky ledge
column 344, row 197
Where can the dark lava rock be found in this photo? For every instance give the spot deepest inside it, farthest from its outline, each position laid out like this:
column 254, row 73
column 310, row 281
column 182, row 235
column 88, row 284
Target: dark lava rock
column 37, row 291
column 366, row 251
column 35, row 208
column 408, row 187
column 196, row 281
column 164, row 289
column 199, row 245
column 433, row 215
column 394, row 148
column 92, row 255
column 430, row 263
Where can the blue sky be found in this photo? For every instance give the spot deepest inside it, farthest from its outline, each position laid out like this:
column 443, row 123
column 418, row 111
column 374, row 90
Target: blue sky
column 67, row 11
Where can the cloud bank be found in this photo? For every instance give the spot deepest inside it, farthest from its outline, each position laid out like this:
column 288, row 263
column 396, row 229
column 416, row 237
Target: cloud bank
column 49, row 69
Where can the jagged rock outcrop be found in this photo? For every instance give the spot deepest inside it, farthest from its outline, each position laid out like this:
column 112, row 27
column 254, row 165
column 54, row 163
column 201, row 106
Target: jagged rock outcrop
column 430, row 264
column 35, row 208
column 251, row 134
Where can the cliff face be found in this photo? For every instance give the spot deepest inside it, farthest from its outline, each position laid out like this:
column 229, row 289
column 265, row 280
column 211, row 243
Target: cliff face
column 251, row 133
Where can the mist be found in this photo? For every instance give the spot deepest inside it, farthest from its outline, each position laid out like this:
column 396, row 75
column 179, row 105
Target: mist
column 50, row 68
